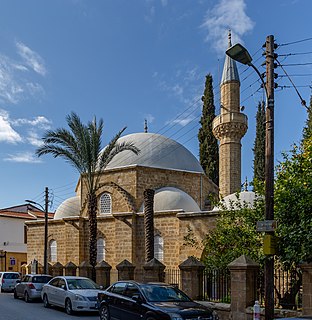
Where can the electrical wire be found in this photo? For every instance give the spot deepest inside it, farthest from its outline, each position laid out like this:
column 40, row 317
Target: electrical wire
column 294, row 42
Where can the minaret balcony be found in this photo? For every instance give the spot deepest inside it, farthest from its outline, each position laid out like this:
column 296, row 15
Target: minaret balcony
column 235, row 123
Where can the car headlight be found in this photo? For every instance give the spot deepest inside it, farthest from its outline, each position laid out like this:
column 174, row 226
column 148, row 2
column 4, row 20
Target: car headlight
column 175, row 316
column 79, row 297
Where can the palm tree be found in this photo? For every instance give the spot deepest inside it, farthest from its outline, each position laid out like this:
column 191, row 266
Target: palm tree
column 81, row 146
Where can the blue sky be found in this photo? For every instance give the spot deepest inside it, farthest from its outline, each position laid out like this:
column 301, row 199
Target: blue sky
column 130, row 60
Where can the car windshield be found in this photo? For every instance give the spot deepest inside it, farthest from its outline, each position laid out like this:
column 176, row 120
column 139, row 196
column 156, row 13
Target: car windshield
column 159, row 293
column 41, row 279
column 74, row 284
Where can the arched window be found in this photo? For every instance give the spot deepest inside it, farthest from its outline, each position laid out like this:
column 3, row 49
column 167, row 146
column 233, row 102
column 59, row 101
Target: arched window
column 105, row 203
column 159, row 247
column 100, row 245
column 53, row 251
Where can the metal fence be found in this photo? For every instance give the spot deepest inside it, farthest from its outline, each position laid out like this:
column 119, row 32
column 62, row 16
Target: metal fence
column 287, row 288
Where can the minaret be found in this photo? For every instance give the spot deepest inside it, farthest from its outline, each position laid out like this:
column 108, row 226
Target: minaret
column 229, row 128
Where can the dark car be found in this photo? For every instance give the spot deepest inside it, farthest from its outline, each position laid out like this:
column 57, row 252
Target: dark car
column 131, row 300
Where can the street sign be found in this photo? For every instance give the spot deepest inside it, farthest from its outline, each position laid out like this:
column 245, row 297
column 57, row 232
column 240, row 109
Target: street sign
column 266, row 226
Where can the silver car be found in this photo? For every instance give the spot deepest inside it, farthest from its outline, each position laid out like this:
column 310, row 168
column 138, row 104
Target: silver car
column 8, row 280
column 30, row 286
column 72, row 293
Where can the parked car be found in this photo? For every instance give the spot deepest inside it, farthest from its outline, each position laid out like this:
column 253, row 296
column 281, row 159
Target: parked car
column 72, row 293
column 131, row 300
column 8, row 280
column 30, row 286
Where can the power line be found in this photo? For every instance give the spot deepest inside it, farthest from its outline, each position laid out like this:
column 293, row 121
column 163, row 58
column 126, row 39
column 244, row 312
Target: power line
column 294, row 42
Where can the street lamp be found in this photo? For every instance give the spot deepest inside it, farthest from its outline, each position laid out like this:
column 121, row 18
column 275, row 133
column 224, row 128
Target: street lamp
column 45, row 253
column 240, row 54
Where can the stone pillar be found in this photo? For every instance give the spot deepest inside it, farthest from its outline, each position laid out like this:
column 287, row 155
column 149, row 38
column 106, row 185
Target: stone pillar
column 192, row 273
column 154, row 271
column 125, row 270
column 57, row 269
column 102, row 270
column 306, row 289
column 70, row 269
column 243, row 286
column 49, row 268
column 85, row 269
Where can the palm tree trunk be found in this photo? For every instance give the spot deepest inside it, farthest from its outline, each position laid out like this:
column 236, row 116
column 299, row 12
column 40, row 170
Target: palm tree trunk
column 92, row 213
column 149, row 223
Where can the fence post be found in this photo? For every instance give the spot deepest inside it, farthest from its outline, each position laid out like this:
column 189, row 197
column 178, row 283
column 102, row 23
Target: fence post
column 154, row 271
column 125, row 270
column 243, row 286
column 102, row 270
column 192, row 274
column 306, row 289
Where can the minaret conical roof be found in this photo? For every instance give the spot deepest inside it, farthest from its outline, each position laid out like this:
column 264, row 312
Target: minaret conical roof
column 230, row 72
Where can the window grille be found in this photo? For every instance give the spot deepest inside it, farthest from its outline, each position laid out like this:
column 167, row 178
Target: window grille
column 106, row 203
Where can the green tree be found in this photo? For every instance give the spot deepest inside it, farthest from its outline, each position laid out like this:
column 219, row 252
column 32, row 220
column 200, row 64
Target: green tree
column 293, row 204
column 208, row 144
column 259, row 146
column 235, row 234
column 307, row 131
column 81, row 146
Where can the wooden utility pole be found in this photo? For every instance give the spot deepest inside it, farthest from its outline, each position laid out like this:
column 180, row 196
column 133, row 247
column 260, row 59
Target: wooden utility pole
column 269, row 174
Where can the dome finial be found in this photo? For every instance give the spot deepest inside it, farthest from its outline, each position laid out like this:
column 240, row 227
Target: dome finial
column 230, row 39
column 246, row 185
column 145, row 126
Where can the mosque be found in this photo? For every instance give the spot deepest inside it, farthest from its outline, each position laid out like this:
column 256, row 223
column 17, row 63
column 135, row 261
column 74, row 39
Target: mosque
column 180, row 201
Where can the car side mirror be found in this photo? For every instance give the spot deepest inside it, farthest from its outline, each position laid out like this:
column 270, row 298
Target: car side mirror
column 137, row 298
column 63, row 287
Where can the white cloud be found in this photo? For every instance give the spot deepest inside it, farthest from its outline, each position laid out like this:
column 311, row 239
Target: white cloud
column 14, row 83
column 34, row 139
column 149, row 118
column 164, row 2
column 40, row 122
column 31, row 58
column 224, row 16
column 24, row 157
column 183, row 122
column 7, row 133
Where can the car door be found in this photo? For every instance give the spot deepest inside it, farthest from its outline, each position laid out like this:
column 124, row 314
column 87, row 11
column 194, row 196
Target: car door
column 20, row 288
column 131, row 309
column 51, row 290
column 60, row 293
column 114, row 300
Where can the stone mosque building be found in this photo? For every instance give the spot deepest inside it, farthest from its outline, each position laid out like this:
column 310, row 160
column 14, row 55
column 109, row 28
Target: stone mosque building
column 181, row 190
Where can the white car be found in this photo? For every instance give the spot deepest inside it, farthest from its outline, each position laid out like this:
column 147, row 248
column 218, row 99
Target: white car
column 8, row 280
column 72, row 293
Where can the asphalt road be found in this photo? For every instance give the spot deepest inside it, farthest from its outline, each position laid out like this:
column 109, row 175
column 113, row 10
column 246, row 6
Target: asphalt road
column 11, row 309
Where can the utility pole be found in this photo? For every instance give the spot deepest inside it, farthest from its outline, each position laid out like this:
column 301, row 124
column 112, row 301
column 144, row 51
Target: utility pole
column 45, row 258
column 269, row 175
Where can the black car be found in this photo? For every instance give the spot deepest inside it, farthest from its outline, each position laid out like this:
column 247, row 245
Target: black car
column 130, row 300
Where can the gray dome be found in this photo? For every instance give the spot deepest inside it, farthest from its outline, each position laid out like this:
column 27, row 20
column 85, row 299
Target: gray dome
column 244, row 199
column 68, row 208
column 156, row 151
column 169, row 198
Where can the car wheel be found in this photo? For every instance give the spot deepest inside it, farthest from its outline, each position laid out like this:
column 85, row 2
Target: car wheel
column 68, row 306
column 26, row 297
column 150, row 318
column 104, row 313
column 46, row 303
column 15, row 294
